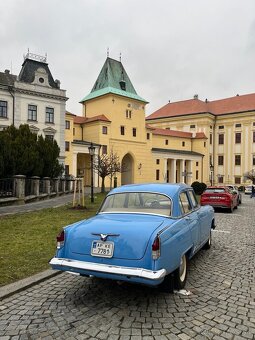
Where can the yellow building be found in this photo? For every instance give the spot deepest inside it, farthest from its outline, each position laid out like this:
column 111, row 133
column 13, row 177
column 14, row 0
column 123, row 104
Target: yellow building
column 229, row 125
column 114, row 120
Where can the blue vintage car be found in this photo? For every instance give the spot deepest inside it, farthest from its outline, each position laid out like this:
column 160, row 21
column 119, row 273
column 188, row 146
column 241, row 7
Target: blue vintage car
column 142, row 233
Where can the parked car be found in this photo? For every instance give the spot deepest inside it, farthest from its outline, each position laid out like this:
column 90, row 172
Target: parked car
column 248, row 189
column 220, row 197
column 142, row 233
column 235, row 189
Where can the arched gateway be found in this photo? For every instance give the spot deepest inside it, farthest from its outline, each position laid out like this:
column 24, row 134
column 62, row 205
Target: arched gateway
column 127, row 164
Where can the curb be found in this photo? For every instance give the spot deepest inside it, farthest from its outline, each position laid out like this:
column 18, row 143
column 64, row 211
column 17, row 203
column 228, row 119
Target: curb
column 13, row 288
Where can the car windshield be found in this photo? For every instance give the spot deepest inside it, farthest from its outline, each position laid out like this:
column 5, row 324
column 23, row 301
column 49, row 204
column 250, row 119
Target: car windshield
column 137, row 202
column 214, row 190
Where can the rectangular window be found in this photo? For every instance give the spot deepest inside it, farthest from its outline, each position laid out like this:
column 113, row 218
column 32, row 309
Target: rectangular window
column 122, row 130
column 3, row 109
column 49, row 137
column 32, row 112
column 67, row 146
column 157, row 175
column 221, row 127
column 221, row 138
column 66, row 169
column 237, row 159
column 220, row 160
column 128, row 114
column 148, row 136
column 134, row 132
column 210, row 138
column 204, row 144
column 166, row 142
column 67, row 124
column 104, row 149
column 238, row 125
column 238, row 137
column 104, row 130
column 157, row 161
column 237, row 180
column 183, row 143
column 73, row 131
column 49, row 115
column 253, row 160
column 196, row 174
column 192, row 126
column 220, row 179
column 196, row 163
column 253, row 137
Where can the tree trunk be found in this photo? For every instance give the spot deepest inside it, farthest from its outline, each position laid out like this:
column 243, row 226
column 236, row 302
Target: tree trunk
column 103, row 186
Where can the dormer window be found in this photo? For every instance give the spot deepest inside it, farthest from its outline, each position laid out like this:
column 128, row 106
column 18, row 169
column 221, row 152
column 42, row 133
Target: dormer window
column 123, row 85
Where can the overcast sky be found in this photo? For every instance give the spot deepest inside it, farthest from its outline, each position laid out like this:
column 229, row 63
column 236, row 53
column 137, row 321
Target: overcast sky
column 171, row 49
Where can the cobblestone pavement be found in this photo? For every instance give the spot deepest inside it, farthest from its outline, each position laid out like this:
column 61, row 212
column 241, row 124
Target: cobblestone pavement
column 221, row 306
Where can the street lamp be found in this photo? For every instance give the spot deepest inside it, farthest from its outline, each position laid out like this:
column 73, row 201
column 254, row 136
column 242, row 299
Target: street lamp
column 211, row 169
column 92, row 152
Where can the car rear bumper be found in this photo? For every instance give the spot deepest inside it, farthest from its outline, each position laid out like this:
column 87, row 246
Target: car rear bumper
column 91, row 267
column 217, row 205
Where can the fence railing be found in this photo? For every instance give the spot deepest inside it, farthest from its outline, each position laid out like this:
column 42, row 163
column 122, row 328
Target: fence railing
column 6, row 188
column 22, row 187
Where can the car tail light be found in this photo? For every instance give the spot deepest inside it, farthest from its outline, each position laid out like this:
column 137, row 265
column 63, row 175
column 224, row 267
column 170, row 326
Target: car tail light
column 156, row 248
column 60, row 239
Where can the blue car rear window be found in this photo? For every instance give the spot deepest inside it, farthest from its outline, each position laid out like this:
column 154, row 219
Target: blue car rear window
column 137, row 202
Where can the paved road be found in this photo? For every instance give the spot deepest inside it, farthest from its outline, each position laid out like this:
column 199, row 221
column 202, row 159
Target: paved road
column 47, row 203
column 221, row 306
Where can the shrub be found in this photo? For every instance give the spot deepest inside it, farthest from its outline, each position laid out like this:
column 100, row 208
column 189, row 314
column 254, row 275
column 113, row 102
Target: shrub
column 199, row 187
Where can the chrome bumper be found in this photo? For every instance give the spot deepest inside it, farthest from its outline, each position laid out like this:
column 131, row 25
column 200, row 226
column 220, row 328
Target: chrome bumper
column 108, row 269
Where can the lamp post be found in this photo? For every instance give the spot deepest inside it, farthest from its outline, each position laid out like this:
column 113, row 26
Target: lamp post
column 211, row 170
column 92, row 152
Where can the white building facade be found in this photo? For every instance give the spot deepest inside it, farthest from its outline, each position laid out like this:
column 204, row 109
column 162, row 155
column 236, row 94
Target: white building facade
column 34, row 98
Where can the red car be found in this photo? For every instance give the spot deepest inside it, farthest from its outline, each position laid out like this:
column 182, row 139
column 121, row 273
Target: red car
column 220, row 197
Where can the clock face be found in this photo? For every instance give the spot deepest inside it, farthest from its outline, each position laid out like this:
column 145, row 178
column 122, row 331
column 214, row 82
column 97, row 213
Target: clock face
column 41, row 80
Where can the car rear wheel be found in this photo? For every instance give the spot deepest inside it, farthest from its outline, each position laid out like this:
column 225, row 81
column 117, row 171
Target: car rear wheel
column 180, row 274
column 209, row 242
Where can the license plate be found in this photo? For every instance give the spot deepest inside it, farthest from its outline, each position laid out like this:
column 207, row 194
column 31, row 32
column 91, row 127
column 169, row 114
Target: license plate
column 102, row 249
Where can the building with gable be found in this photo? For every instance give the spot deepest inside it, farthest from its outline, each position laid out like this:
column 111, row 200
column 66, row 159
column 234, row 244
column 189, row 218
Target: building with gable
column 114, row 120
column 229, row 125
column 34, row 98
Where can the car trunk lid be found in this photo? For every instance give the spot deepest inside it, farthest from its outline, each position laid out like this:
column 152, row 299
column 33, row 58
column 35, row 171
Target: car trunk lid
column 130, row 236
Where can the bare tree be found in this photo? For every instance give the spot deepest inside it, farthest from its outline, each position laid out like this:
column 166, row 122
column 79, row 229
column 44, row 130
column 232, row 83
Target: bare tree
column 250, row 175
column 107, row 165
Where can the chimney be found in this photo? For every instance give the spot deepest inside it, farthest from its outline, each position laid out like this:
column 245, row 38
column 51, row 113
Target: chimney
column 195, row 96
column 7, row 71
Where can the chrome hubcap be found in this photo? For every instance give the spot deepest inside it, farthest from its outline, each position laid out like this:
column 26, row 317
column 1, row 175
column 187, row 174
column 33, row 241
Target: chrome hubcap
column 183, row 268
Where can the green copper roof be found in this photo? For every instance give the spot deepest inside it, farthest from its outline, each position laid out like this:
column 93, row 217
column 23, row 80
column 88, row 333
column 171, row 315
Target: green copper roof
column 113, row 79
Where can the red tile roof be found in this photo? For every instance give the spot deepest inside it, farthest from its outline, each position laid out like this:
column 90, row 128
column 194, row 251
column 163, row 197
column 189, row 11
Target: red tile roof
column 200, row 135
column 83, row 120
column 175, row 133
column 217, row 107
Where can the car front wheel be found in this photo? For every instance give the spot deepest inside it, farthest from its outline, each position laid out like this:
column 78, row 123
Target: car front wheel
column 180, row 274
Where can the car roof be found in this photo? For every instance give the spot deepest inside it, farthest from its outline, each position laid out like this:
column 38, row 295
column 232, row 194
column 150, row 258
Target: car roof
column 169, row 189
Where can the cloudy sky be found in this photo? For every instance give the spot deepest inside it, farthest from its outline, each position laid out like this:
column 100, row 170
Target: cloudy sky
column 171, row 49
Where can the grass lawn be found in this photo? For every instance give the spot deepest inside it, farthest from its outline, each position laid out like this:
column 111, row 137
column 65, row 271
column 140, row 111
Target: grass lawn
column 28, row 240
